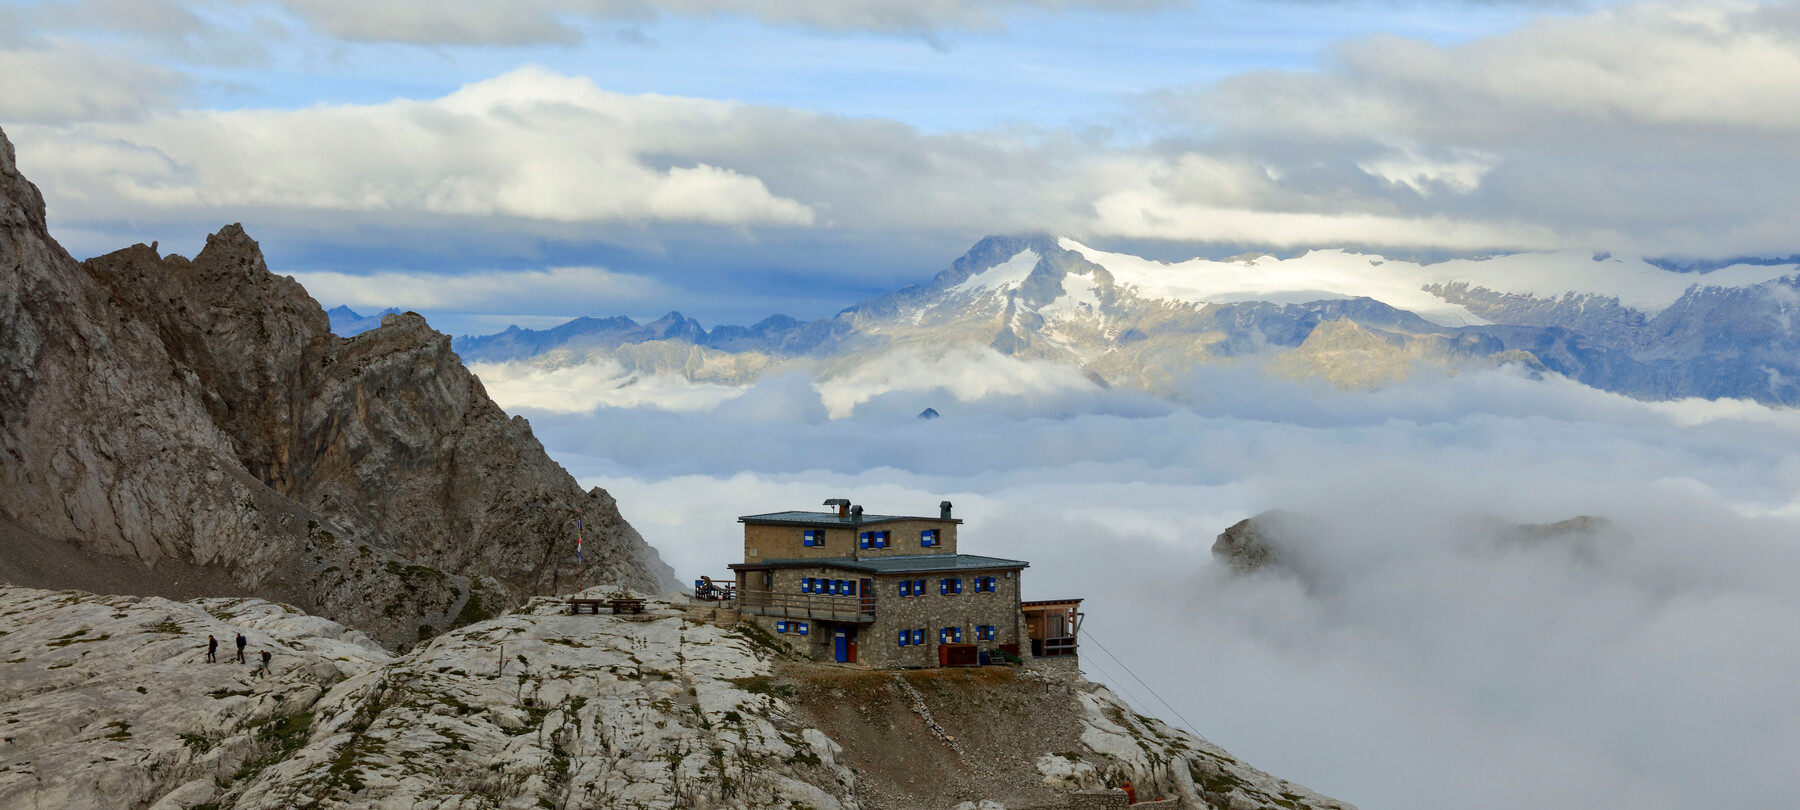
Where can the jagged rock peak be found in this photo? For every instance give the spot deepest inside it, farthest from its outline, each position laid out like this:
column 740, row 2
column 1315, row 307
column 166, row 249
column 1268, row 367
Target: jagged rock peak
column 196, row 421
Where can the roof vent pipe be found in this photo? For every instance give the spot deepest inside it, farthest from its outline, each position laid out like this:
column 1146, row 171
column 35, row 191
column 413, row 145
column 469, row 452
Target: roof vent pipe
column 843, row 505
column 856, row 514
column 943, row 510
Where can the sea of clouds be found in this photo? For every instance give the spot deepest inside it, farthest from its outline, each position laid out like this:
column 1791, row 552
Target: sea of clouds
column 1410, row 656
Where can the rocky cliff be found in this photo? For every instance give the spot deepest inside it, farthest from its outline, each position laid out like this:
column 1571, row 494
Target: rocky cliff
column 108, row 702
column 189, row 427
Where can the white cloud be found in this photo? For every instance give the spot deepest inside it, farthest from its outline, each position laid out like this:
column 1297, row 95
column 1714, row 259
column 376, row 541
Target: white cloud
column 582, row 388
column 530, row 144
column 62, row 81
column 436, row 22
column 493, row 291
column 1415, row 661
column 1652, row 127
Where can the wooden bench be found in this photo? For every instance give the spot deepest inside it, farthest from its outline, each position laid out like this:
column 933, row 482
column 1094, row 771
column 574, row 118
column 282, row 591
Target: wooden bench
column 619, row 605
column 627, row 605
column 593, row 605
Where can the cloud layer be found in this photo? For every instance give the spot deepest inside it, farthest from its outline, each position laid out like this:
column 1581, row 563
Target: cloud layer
column 1414, row 658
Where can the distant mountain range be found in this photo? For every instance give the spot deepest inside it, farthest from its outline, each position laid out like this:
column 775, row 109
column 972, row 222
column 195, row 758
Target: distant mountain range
column 1642, row 328
column 345, row 322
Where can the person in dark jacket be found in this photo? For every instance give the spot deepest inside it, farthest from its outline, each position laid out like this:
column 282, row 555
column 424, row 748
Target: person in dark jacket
column 212, row 650
column 241, row 642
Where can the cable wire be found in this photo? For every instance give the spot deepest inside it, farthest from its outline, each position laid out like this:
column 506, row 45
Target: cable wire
column 1190, row 726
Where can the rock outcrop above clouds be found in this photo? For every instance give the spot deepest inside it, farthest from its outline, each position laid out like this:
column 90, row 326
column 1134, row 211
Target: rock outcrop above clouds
column 108, row 702
column 188, row 427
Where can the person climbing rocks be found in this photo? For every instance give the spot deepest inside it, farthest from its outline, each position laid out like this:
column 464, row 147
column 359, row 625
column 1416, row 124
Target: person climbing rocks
column 241, row 641
column 1130, row 793
column 212, row 650
column 264, row 669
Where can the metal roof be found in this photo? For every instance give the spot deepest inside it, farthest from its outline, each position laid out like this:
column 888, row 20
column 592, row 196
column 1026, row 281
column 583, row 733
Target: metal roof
column 902, row 564
column 831, row 520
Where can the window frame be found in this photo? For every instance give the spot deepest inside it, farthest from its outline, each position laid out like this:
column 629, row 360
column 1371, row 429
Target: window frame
column 929, row 538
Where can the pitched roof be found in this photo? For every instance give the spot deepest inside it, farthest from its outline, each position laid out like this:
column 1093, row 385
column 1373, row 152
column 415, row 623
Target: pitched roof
column 831, row 520
column 900, row 564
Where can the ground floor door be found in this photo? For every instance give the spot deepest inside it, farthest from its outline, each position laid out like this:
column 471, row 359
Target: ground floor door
column 846, row 645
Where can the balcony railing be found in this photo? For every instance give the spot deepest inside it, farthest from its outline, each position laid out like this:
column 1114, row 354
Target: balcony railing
column 1053, row 647
column 808, row 606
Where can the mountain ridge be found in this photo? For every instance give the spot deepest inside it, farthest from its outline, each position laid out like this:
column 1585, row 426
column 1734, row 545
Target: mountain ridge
column 169, row 424
column 1621, row 324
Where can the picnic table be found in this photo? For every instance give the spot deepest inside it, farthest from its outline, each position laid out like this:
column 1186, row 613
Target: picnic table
column 618, row 605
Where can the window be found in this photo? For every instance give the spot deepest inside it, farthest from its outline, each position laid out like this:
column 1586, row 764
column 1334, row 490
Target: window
column 984, row 584
column 950, row 585
column 781, row 627
column 984, row 632
column 919, row 637
column 801, row 626
column 864, row 538
column 806, row 585
column 906, row 587
column 950, row 635
column 813, row 537
column 928, row 538
column 881, row 539
column 918, row 587
column 846, row 587
column 905, row 637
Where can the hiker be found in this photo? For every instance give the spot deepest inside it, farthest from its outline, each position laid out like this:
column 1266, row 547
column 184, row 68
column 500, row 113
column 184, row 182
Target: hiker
column 264, row 669
column 1130, row 793
column 241, row 642
column 212, row 650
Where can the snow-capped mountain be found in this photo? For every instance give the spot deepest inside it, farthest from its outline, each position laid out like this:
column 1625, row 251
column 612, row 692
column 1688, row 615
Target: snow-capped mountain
column 1618, row 323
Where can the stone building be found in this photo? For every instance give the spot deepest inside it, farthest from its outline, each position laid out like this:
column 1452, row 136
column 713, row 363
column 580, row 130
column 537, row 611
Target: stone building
column 884, row 590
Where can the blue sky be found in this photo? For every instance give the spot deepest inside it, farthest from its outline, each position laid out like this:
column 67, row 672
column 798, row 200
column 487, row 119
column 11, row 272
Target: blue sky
column 738, row 158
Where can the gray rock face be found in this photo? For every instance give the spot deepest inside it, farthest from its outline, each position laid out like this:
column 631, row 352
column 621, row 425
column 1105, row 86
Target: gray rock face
column 107, row 702
column 1249, row 544
column 156, row 409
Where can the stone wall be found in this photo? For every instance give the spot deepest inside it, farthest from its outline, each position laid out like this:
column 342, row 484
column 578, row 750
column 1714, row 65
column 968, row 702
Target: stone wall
column 1097, row 800
column 879, row 644
column 767, row 542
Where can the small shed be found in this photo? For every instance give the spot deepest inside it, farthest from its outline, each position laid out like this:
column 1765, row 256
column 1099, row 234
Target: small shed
column 1053, row 625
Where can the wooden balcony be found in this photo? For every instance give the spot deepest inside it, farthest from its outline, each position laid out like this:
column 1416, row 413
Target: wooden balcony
column 808, row 606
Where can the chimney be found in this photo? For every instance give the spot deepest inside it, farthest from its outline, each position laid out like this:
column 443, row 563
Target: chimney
column 943, row 510
column 843, row 505
column 856, row 514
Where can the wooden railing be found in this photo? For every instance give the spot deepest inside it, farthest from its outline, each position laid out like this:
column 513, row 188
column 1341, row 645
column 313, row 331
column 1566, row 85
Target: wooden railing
column 1053, row 647
column 808, row 606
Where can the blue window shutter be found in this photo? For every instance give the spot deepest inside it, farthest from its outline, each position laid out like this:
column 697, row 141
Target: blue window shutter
column 781, row 627
column 943, row 586
column 918, row 587
column 906, row 587
column 803, row 628
column 903, row 635
column 919, row 636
